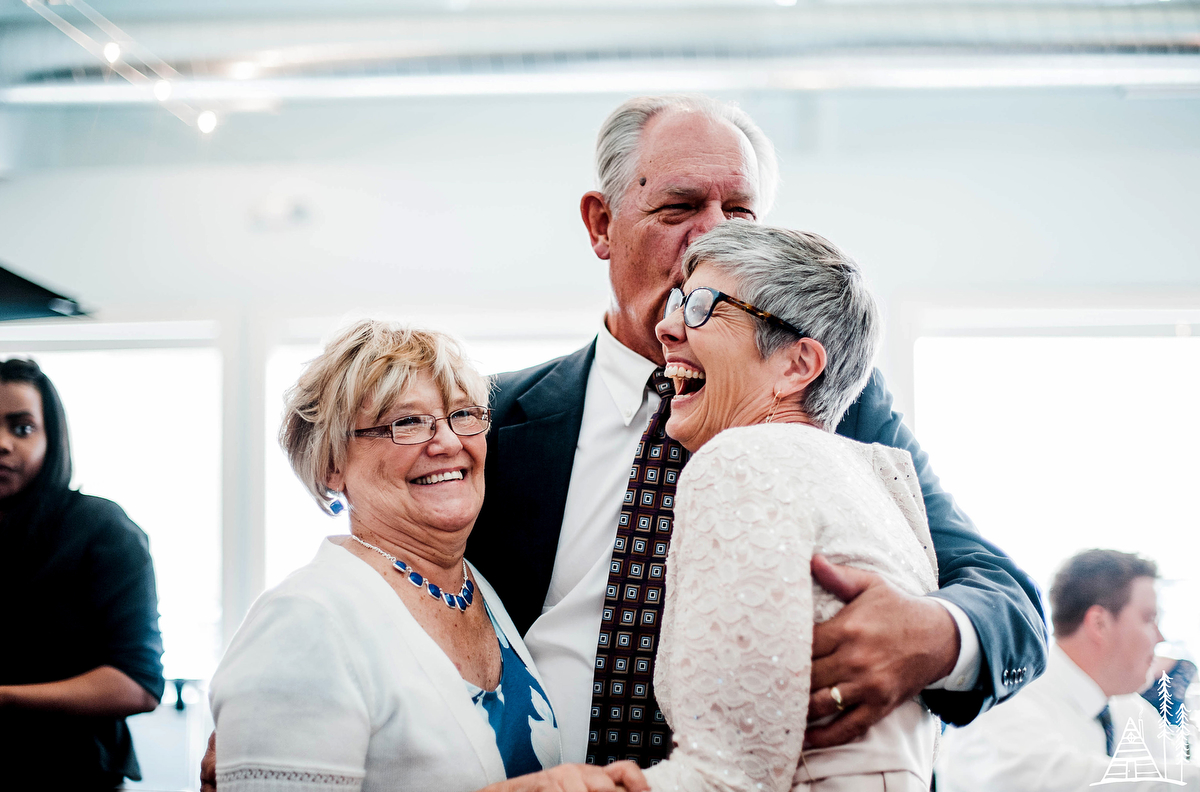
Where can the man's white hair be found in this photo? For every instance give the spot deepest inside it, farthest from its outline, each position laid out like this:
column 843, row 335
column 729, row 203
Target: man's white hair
column 619, row 141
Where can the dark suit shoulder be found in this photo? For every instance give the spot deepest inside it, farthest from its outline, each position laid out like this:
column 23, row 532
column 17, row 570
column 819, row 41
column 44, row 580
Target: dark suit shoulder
column 536, row 417
column 510, row 386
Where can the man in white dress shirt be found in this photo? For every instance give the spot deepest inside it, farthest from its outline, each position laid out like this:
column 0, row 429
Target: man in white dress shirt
column 1054, row 736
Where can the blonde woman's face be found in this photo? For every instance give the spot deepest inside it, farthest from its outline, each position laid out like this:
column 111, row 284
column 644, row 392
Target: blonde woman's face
column 415, row 489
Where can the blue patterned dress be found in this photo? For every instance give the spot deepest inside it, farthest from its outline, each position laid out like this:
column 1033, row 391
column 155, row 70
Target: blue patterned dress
column 519, row 714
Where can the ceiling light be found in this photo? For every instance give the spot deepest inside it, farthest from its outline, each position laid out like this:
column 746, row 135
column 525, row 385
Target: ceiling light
column 243, row 70
column 112, row 51
column 162, row 90
column 206, row 122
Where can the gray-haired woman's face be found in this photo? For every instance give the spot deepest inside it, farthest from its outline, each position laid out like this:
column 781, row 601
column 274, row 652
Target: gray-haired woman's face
column 433, row 486
column 721, row 381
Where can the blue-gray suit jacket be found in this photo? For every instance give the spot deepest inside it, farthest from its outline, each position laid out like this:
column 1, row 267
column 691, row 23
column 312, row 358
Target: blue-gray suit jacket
column 531, row 448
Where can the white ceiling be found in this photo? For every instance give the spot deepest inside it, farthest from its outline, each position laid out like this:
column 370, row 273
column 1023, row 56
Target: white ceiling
column 809, row 46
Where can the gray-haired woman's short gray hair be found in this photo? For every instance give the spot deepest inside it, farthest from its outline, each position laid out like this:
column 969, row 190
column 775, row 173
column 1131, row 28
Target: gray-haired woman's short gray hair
column 805, row 280
column 369, row 364
column 620, row 138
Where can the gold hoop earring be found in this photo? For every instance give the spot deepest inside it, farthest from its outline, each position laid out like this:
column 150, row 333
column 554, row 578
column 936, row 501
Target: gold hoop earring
column 774, row 407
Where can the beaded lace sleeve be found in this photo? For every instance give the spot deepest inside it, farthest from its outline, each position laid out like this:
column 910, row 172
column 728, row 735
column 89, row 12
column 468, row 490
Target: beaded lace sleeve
column 732, row 674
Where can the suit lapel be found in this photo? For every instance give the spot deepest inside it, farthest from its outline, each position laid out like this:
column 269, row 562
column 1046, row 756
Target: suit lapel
column 528, row 473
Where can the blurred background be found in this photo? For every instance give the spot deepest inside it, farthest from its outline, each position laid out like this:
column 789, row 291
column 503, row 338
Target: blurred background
column 220, row 184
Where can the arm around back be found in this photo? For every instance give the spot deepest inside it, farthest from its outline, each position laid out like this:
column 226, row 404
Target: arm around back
column 1001, row 601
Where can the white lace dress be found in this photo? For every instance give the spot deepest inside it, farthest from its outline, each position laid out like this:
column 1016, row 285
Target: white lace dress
column 732, row 672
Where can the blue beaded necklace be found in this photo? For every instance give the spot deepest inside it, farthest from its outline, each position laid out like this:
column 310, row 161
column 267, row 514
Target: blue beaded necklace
column 461, row 600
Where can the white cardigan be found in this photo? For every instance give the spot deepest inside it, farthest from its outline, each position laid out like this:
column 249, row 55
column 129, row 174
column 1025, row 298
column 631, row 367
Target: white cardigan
column 331, row 684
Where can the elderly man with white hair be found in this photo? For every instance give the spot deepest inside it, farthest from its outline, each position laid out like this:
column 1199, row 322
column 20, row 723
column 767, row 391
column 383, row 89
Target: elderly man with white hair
column 574, row 531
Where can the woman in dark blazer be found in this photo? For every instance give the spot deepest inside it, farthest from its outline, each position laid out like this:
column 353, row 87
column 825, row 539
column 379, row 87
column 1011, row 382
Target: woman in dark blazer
column 82, row 646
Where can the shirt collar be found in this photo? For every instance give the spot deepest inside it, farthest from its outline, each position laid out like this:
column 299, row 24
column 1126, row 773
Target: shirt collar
column 624, row 373
column 1076, row 683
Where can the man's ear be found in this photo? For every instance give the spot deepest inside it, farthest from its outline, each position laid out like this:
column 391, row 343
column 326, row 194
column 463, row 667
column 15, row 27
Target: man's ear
column 1097, row 621
column 597, row 217
column 804, row 361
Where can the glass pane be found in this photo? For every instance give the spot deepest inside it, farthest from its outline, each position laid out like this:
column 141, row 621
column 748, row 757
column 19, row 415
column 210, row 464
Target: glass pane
column 1055, row 445
column 295, row 525
column 126, row 410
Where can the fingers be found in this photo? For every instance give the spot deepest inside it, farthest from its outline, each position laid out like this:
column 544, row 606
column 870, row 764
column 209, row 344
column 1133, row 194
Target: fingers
column 825, row 641
column 857, row 588
column 208, row 766
column 822, row 704
column 596, row 779
column 843, row 582
column 589, row 778
column 852, row 725
column 837, row 664
column 628, row 775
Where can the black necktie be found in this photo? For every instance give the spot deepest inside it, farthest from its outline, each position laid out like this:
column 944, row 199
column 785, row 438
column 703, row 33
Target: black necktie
column 1105, row 718
column 626, row 722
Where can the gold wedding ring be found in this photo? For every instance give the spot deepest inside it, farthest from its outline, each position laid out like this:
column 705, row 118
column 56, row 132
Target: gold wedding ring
column 837, row 698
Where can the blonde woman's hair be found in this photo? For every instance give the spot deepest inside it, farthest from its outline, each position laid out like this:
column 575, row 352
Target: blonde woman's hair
column 369, row 364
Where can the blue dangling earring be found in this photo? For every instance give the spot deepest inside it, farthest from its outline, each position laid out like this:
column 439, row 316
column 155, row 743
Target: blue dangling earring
column 335, row 507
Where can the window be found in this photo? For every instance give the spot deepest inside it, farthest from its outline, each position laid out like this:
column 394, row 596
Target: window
column 145, row 428
column 1058, row 444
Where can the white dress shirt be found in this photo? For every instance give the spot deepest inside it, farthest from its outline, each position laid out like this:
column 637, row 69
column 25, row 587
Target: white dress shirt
column 616, row 411
column 1047, row 738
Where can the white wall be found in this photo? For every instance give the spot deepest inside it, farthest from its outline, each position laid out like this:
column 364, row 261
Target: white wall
column 462, row 201
column 452, row 205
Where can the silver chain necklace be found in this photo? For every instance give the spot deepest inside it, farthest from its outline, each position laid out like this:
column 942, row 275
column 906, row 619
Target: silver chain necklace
column 461, row 601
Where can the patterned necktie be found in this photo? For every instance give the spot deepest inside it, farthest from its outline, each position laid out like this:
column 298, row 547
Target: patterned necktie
column 1105, row 718
column 626, row 721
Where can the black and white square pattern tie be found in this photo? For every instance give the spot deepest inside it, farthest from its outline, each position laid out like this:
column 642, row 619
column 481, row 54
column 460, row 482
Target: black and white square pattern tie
column 626, row 722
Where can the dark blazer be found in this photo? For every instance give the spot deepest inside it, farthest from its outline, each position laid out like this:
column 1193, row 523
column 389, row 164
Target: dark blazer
column 531, row 448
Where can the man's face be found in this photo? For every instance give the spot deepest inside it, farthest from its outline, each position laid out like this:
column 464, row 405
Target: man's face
column 692, row 174
column 1133, row 638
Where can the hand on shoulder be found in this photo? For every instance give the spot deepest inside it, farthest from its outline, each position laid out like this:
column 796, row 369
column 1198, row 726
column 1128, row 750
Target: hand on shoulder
column 880, row 650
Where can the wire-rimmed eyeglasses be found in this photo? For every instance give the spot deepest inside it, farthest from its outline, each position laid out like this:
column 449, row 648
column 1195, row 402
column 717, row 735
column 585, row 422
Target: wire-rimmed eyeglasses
column 699, row 304
column 417, row 429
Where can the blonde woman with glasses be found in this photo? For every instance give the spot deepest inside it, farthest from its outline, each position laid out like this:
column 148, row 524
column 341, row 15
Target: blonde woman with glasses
column 388, row 662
